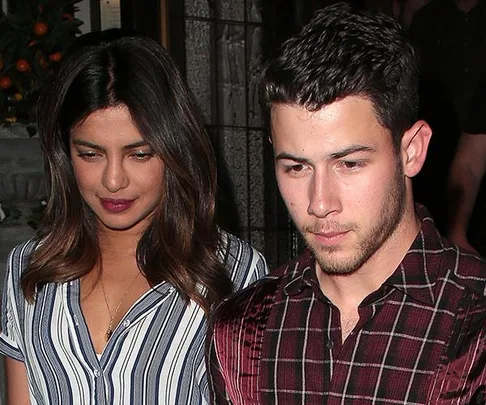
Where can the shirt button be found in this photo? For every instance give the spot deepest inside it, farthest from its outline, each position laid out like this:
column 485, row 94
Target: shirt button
column 329, row 344
column 96, row 373
column 126, row 323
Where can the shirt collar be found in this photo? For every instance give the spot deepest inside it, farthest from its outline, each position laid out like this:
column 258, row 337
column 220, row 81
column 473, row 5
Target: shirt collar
column 415, row 276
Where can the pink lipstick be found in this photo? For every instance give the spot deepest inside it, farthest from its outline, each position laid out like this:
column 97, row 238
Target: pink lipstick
column 116, row 205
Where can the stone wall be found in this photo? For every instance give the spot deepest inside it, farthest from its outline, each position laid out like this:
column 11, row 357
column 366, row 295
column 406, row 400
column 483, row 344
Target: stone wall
column 21, row 191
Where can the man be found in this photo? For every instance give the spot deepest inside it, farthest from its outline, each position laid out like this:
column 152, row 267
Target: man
column 467, row 189
column 380, row 309
column 451, row 36
column 404, row 10
column 467, row 182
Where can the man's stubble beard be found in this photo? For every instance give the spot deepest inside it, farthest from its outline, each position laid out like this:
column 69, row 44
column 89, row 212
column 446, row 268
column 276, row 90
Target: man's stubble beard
column 391, row 213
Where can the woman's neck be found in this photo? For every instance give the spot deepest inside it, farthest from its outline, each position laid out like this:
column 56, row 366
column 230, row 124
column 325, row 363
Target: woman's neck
column 118, row 247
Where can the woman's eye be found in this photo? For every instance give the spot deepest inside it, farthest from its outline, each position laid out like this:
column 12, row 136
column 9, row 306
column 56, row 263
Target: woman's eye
column 87, row 155
column 142, row 156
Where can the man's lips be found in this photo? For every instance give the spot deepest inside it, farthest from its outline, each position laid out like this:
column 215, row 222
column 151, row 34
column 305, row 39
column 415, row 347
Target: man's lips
column 331, row 234
column 329, row 237
column 116, row 205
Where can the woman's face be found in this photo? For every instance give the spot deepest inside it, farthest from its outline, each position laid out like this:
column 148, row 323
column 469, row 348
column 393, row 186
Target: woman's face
column 118, row 174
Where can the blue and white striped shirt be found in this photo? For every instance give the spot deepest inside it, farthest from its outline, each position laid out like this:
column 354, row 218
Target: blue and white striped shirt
column 155, row 355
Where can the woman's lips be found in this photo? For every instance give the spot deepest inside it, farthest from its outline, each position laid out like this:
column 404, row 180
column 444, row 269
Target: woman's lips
column 116, row 205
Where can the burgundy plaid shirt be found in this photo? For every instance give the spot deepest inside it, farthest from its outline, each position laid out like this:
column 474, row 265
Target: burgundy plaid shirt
column 420, row 339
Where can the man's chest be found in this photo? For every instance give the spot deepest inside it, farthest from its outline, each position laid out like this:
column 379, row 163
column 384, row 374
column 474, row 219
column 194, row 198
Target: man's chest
column 390, row 355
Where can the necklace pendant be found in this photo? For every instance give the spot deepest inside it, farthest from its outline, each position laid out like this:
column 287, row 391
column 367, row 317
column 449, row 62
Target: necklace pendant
column 109, row 332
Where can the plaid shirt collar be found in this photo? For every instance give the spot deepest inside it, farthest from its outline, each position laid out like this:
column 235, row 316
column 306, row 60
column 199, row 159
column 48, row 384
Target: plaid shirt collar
column 415, row 276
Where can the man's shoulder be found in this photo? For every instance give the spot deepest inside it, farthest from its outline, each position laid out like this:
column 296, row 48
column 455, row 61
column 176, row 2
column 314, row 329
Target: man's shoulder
column 430, row 14
column 468, row 270
column 242, row 304
column 432, row 9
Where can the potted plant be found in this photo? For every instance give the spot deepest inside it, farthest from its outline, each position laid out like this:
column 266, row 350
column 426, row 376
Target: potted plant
column 34, row 34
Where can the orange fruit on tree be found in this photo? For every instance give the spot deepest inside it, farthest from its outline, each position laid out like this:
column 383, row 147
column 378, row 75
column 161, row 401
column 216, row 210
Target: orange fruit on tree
column 22, row 65
column 40, row 28
column 55, row 57
column 5, row 82
column 18, row 96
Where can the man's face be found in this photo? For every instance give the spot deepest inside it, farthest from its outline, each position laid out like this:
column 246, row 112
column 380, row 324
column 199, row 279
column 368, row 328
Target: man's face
column 341, row 179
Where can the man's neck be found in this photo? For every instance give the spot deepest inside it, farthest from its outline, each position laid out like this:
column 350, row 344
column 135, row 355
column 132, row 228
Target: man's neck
column 347, row 291
column 466, row 5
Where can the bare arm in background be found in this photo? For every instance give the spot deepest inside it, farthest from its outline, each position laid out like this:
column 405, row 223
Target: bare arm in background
column 17, row 384
column 466, row 173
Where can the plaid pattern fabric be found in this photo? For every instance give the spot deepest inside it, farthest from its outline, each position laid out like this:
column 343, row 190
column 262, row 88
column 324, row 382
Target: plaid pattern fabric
column 420, row 338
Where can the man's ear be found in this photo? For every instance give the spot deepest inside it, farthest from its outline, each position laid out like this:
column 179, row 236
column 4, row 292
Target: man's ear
column 415, row 143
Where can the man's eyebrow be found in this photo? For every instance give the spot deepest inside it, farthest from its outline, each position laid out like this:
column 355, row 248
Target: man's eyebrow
column 334, row 155
column 350, row 150
column 288, row 156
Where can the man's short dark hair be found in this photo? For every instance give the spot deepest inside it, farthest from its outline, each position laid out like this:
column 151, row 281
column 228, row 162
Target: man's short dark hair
column 343, row 51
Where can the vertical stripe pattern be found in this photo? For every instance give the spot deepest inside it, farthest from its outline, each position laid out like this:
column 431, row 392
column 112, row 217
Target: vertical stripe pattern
column 155, row 355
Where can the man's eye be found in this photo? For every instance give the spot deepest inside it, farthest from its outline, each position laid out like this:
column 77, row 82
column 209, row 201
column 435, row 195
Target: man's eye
column 350, row 164
column 295, row 168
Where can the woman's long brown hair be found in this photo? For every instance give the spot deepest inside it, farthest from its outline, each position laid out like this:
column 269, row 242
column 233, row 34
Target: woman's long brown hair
column 180, row 245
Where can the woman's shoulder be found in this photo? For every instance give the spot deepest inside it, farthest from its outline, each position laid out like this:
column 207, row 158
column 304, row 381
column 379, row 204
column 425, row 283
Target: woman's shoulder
column 17, row 263
column 244, row 263
column 25, row 248
column 229, row 241
column 19, row 256
column 235, row 249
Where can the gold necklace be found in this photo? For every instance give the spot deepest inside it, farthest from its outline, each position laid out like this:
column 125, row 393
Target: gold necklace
column 109, row 331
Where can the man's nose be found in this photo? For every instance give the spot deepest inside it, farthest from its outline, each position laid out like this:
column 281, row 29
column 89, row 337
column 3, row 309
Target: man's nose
column 323, row 195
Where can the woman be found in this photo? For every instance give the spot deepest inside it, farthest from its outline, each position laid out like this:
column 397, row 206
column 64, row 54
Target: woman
column 108, row 304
